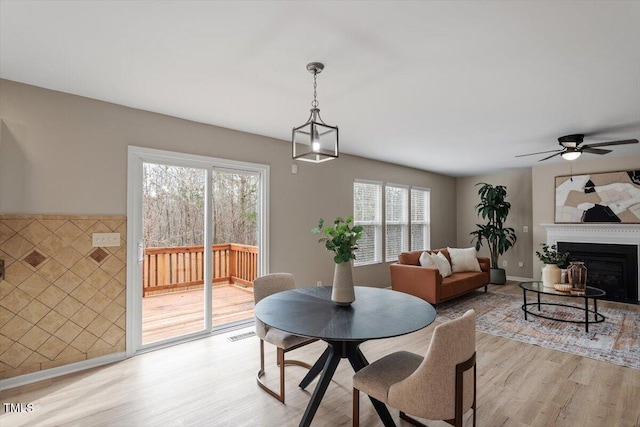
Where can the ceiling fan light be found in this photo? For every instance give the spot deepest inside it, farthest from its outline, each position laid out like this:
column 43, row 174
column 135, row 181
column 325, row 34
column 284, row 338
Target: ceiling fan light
column 571, row 155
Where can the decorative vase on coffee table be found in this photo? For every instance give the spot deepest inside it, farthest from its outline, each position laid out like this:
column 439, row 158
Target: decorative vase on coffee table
column 343, row 292
column 577, row 273
column 551, row 274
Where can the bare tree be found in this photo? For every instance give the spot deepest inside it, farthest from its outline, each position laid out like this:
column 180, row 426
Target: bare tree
column 173, row 206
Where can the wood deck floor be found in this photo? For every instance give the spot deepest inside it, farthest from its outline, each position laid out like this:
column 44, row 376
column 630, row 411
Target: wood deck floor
column 177, row 313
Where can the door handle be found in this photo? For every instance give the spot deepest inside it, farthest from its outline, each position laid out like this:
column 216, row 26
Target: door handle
column 140, row 253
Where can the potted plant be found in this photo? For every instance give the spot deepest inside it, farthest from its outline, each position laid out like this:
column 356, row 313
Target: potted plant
column 494, row 208
column 553, row 262
column 341, row 239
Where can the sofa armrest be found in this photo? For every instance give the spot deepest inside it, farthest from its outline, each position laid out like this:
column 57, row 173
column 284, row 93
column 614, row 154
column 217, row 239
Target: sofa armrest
column 485, row 263
column 423, row 282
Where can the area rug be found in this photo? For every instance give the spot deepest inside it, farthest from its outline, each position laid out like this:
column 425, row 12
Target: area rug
column 616, row 340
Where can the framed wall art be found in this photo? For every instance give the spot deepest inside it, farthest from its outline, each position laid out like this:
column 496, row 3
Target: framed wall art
column 607, row 197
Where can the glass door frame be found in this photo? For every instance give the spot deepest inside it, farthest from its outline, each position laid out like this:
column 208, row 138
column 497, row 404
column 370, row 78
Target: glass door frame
column 137, row 156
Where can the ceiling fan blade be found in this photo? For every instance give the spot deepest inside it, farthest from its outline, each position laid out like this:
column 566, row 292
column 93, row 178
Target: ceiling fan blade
column 540, row 152
column 604, row 144
column 594, row 150
column 553, row 155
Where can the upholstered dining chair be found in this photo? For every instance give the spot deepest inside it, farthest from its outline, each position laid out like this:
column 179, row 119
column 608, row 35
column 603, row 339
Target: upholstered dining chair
column 284, row 341
column 439, row 386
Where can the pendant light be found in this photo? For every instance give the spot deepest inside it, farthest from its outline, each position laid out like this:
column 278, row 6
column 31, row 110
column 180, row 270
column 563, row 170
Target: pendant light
column 315, row 141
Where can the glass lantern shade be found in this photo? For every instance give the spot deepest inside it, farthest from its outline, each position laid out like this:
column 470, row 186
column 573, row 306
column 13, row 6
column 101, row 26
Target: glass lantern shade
column 315, row 141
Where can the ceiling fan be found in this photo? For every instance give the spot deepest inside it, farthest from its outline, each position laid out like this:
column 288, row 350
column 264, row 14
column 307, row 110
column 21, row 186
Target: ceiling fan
column 571, row 148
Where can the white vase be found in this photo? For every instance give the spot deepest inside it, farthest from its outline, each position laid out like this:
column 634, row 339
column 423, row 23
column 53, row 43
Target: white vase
column 551, row 274
column 342, row 292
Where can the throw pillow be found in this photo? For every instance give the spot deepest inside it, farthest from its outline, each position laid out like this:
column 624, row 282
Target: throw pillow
column 443, row 264
column 438, row 261
column 464, row 259
column 426, row 261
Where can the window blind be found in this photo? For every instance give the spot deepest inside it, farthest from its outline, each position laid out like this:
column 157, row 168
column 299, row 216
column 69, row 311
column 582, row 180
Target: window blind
column 420, row 219
column 367, row 212
column 396, row 221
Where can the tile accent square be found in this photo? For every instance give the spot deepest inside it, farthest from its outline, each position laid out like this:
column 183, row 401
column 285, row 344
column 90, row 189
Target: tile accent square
column 34, row 259
column 99, row 255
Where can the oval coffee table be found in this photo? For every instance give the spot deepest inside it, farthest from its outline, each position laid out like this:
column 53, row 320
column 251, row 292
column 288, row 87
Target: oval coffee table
column 593, row 293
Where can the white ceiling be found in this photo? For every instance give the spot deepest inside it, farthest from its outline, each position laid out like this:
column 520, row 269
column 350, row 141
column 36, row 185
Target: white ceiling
column 455, row 87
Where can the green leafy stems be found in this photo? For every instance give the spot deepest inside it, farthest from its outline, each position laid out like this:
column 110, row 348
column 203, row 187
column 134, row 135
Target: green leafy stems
column 341, row 238
column 494, row 209
column 550, row 255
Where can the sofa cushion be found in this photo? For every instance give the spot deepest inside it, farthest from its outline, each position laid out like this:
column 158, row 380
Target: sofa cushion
column 438, row 261
column 461, row 283
column 410, row 258
column 464, row 260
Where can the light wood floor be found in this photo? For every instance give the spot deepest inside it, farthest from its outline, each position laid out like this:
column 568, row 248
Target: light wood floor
column 178, row 313
column 211, row 382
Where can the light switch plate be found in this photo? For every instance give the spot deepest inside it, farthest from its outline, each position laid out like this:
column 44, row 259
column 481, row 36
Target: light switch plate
column 101, row 240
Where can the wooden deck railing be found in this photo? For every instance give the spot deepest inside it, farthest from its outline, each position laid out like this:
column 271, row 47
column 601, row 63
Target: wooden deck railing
column 182, row 266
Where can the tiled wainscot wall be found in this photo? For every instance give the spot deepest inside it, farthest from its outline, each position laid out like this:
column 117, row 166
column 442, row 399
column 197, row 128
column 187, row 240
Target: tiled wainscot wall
column 62, row 300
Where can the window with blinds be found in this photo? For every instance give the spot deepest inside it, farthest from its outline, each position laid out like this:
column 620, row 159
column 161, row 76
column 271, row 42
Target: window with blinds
column 396, row 221
column 420, row 219
column 367, row 212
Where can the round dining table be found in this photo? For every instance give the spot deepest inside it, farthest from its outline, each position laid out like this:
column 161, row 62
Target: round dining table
column 375, row 314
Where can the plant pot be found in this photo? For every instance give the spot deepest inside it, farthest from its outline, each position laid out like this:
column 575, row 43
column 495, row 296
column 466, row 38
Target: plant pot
column 551, row 274
column 497, row 276
column 343, row 292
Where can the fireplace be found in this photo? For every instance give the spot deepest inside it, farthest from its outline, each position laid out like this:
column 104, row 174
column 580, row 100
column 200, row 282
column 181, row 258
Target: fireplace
column 610, row 267
column 611, row 253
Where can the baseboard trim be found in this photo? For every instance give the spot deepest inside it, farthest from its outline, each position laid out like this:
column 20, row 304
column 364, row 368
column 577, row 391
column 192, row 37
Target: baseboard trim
column 61, row 370
column 520, row 279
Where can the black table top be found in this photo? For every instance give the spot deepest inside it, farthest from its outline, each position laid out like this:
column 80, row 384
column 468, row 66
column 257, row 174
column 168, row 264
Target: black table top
column 590, row 292
column 376, row 313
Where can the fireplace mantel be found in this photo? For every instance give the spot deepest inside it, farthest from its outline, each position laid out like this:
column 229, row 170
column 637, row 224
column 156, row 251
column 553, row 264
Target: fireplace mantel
column 628, row 234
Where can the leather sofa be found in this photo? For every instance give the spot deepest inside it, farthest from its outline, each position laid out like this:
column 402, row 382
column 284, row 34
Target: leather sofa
column 407, row 275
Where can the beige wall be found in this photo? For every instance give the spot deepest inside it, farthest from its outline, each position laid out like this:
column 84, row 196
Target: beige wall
column 64, row 154
column 544, row 189
column 518, row 183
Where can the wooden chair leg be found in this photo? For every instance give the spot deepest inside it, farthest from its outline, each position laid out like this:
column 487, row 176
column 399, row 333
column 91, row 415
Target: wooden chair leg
column 261, row 384
column 281, row 363
column 356, row 408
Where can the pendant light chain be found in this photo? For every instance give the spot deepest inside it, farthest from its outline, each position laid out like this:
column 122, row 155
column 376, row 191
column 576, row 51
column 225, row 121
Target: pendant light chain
column 315, row 103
